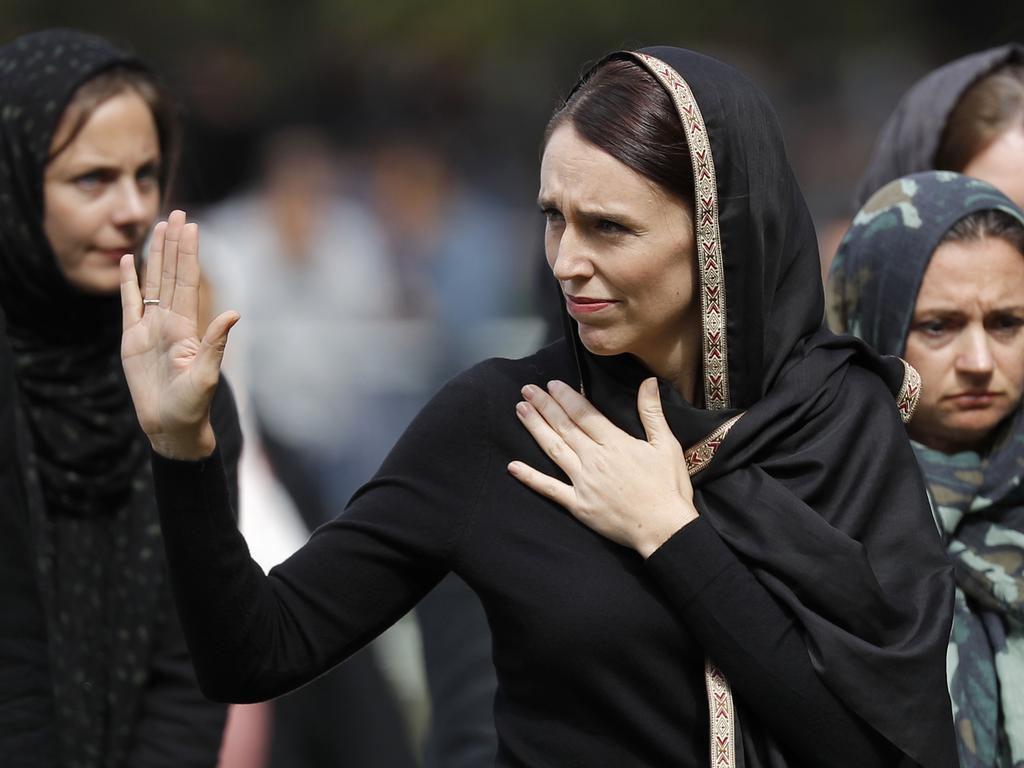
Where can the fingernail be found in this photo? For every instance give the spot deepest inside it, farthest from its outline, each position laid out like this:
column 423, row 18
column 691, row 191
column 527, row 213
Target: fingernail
column 521, row 408
column 513, row 467
column 529, row 391
column 554, row 383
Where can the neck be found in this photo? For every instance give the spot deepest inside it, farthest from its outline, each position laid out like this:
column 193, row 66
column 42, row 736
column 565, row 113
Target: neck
column 678, row 365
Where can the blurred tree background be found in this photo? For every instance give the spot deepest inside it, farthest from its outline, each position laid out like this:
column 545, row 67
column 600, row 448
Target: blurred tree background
column 480, row 78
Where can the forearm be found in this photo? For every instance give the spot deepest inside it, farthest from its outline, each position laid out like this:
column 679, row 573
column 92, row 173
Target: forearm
column 216, row 584
column 255, row 636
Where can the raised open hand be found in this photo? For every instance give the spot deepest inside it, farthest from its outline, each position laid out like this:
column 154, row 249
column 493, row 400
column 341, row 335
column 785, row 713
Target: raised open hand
column 171, row 372
column 635, row 492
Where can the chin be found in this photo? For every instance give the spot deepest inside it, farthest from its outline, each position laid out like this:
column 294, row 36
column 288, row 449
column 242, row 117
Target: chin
column 97, row 283
column 598, row 341
column 972, row 431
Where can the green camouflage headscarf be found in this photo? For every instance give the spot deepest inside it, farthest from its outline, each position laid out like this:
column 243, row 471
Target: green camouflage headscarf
column 978, row 499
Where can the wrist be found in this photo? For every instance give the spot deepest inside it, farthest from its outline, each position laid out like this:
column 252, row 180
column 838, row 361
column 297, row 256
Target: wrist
column 186, row 445
column 668, row 526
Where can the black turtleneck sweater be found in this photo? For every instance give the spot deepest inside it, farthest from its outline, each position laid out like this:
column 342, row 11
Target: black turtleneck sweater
column 599, row 654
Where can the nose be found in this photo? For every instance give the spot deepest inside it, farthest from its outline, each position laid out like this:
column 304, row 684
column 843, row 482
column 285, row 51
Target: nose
column 571, row 259
column 975, row 355
column 131, row 204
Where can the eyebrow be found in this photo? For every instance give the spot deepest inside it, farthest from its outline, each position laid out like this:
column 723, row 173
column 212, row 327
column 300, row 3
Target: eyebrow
column 954, row 312
column 596, row 212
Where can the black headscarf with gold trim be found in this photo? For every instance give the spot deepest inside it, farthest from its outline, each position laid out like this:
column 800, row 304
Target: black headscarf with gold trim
column 815, row 486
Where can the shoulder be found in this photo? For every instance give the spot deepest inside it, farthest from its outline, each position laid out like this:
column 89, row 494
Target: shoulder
column 498, row 376
column 468, row 408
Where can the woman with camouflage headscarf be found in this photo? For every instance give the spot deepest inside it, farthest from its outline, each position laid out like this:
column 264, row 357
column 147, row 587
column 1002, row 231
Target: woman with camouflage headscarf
column 932, row 269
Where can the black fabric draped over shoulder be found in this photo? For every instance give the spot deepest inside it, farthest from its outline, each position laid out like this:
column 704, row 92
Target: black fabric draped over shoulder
column 798, row 456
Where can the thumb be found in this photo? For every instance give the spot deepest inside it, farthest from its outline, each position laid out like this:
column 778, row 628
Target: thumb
column 215, row 340
column 648, row 403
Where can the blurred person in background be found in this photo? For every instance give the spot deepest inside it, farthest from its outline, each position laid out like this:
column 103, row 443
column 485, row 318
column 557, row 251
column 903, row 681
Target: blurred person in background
column 933, row 269
column 325, row 382
column 455, row 250
column 639, row 617
column 966, row 116
column 94, row 671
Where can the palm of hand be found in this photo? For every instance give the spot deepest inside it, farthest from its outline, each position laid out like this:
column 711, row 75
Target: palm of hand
column 171, row 371
column 159, row 354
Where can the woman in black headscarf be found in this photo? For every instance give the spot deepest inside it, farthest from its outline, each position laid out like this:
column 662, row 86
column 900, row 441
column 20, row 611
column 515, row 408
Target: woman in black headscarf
column 788, row 605
column 933, row 268
column 966, row 116
column 86, row 137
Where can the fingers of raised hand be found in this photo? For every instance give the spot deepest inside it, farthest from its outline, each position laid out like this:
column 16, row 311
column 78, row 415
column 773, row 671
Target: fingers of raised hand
column 550, row 441
column 154, row 262
column 131, row 299
column 211, row 348
column 547, row 486
column 185, row 301
column 169, row 270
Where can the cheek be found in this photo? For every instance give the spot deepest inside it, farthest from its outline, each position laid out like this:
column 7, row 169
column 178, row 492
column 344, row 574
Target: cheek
column 1012, row 366
column 66, row 226
column 934, row 365
column 152, row 206
column 550, row 247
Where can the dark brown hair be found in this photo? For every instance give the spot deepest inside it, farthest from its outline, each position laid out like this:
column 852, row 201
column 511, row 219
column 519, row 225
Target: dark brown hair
column 621, row 109
column 987, row 109
column 113, row 82
column 990, row 223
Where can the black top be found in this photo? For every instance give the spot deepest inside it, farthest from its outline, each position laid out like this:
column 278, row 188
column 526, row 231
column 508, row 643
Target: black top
column 600, row 655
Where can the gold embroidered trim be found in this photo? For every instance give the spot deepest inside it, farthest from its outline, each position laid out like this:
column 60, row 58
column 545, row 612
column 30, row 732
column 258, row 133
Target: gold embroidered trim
column 707, row 233
column 721, row 710
column 700, row 455
column 910, row 392
column 722, row 716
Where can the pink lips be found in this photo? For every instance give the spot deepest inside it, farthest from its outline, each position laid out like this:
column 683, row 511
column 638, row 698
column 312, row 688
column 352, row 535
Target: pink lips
column 114, row 254
column 971, row 400
column 584, row 305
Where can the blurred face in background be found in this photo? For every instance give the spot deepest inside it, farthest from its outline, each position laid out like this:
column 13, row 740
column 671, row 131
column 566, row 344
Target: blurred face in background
column 966, row 340
column 1001, row 164
column 101, row 191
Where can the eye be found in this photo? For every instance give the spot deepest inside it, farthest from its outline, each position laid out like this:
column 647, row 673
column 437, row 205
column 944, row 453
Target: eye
column 1005, row 325
column 148, row 175
column 91, row 180
column 611, row 227
column 552, row 216
column 934, row 328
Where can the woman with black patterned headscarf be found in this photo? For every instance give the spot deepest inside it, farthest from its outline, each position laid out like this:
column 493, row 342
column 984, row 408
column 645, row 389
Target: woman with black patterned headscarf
column 94, row 672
